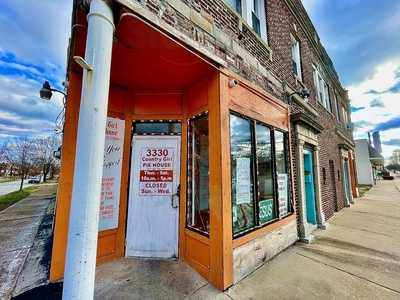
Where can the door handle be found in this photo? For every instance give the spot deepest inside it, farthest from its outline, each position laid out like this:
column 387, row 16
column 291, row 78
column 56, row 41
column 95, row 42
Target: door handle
column 175, row 198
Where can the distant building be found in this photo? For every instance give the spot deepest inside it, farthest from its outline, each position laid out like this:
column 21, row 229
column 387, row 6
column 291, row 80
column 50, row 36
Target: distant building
column 376, row 138
column 395, row 159
column 368, row 162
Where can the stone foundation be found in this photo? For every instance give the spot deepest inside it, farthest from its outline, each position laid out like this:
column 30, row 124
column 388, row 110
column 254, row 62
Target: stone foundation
column 255, row 253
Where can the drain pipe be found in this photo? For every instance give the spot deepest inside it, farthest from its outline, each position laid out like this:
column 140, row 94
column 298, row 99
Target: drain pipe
column 80, row 263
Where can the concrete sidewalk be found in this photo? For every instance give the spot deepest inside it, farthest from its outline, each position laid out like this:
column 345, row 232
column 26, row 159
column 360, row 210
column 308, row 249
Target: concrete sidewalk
column 357, row 257
column 19, row 225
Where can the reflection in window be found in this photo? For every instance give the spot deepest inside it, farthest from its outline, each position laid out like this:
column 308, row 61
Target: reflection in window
column 282, row 173
column 158, row 128
column 264, row 174
column 241, row 170
column 198, row 213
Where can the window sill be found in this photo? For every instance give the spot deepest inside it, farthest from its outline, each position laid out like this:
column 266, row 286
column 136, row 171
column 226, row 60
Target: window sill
column 197, row 235
column 299, row 80
column 261, row 231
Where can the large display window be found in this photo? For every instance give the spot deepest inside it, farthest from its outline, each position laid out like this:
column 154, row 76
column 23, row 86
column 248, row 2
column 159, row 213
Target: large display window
column 242, row 161
column 259, row 174
column 198, row 213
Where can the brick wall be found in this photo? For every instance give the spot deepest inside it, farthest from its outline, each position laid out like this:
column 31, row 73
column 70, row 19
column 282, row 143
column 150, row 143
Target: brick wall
column 280, row 24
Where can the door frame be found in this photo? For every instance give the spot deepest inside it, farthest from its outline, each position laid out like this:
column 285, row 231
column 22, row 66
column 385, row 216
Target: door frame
column 307, row 139
column 347, row 199
column 182, row 181
column 310, row 153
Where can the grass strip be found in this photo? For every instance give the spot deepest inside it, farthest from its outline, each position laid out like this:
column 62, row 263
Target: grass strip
column 13, row 197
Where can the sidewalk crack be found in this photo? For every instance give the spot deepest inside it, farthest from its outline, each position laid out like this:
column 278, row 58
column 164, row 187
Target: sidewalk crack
column 349, row 273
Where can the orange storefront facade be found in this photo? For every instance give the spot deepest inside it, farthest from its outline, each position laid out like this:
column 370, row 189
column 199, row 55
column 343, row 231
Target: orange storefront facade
column 204, row 159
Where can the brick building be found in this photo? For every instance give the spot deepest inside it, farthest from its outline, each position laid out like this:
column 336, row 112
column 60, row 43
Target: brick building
column 244, row 113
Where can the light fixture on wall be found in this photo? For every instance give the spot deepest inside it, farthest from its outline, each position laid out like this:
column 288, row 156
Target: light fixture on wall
column 47, row 91
column 232, row 83
column 303, row 93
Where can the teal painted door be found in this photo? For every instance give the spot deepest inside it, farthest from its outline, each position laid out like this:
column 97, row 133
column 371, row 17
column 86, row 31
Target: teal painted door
column 309, row 187
column 346, row 180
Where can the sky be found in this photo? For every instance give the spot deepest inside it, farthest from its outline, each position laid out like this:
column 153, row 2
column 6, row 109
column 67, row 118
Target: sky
column 33, row 46
column 361, row 36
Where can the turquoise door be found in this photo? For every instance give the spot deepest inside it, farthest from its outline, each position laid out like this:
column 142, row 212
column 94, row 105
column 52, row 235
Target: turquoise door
column 346, row 180
column 309, row 187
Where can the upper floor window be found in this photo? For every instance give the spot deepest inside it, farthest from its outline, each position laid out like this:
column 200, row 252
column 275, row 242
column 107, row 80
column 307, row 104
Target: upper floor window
column 236, row 5
column 337, row 108
column 296, row 61
column 328, row 104
column 344, row 115
column 322, row 90
column 253, row 11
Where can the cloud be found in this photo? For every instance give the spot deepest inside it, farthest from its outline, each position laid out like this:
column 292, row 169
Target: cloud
column 22, row 112
column 361, row 124
column 350, row 49
column 391, row 124
column 356, row 109
column 392, row 142
column 33, row 48
column 39, row 37
column 393, row 89
column 376, row 103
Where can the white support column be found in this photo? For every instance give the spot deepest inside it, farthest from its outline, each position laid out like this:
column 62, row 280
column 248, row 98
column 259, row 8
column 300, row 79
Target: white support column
column 80, row 263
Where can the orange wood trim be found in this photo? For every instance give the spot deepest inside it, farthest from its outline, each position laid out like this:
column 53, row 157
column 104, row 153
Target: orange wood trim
column 199, row 111
column 254, row 88
column 203, row 270
column 291, row 164
column 272, row 120
column 135, row 117
column 66, row 177
column 123, row 203
column 226, row 183
column 263, row 231
column 197, row 236
column 221, row 255
column 216, row 215
column 182, row 196
column 108, row 232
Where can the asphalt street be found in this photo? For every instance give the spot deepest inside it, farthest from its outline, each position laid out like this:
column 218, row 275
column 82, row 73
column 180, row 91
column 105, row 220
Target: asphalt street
column 12, row 186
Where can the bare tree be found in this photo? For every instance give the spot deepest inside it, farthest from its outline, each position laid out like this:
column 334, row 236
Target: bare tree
column 45, row 148
column 20, row 152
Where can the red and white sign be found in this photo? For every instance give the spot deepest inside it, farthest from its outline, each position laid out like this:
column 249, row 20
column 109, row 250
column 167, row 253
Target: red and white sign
column 156, row 171
column 111, row 181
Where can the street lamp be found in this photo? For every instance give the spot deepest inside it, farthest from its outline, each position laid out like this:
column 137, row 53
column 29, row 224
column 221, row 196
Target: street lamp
column 46, row 91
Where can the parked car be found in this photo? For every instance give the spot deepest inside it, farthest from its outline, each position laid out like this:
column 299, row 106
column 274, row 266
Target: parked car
column 34, row 179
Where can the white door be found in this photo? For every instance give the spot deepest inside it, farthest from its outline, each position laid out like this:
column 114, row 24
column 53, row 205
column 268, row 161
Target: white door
column 152, row 227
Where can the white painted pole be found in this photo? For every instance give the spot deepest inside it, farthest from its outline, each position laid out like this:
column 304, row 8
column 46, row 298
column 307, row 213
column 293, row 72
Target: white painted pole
column 80, row 263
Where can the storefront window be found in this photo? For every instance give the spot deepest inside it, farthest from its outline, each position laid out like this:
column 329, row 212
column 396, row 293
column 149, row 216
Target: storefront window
column 260, row 174
column 242, row 177
column 264, row 175
column 281, row 154
column 198, row 213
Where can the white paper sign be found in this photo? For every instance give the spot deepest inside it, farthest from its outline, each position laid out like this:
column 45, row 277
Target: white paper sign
column 283, row 193
column 243, row 194
column 156, row 172
column 111, row 181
